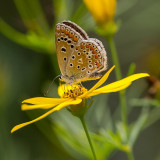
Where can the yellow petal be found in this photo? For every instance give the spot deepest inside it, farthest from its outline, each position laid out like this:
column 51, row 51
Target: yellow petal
column 41, row 103
column 44, row 100
column 101, row 10
column 96, row 92
column 112, row 87
column 37, row 106
column 60, row 106
column 99, row 83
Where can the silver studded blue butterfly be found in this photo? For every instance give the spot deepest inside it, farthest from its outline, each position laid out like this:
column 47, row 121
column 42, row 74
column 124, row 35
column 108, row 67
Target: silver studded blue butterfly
column 80, row 58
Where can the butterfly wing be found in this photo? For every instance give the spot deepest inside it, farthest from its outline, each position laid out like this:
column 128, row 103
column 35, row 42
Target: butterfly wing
column 86, row 61
column 67, row 36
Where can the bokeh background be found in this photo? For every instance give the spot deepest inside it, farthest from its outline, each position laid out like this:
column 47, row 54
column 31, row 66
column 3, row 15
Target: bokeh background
column 26, row 71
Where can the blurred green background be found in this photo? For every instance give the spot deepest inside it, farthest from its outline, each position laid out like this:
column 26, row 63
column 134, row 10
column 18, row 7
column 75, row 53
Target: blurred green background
column 26, row 71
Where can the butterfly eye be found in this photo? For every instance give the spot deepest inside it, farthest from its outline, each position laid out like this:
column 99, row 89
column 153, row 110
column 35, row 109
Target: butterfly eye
column 78, row 67
column 90, row 66
column 79, row 53
column 65, row 59
column 58, row 39
column 62, row 38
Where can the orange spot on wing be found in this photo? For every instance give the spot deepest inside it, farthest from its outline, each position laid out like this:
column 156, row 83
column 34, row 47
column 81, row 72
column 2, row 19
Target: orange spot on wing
column 82, row 46
column 87, row 45
column 91, row 48
column 75, row 39
column 94, row 52
column 70, row 35
column 96, row 57
column 77, row 47
column 98, row 64
column 62, row 30
column 67, row 32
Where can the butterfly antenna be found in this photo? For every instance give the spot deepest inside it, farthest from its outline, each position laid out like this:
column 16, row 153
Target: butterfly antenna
column 46, row 92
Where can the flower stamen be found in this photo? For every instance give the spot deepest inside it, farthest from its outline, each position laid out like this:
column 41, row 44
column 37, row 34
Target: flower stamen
column 71, row 91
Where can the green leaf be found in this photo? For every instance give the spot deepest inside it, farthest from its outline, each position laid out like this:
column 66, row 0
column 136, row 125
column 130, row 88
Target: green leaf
column 122, row 131
column 115, row 140
column 30, row 40
column 102, row 146
column 32, row 16
column 131, row 70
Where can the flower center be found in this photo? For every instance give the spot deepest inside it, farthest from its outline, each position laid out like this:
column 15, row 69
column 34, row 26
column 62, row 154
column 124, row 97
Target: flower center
column 71, row 91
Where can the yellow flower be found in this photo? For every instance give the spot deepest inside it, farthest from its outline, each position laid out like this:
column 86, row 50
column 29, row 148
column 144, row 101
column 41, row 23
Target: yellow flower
column 103, row 11
column 74, row 95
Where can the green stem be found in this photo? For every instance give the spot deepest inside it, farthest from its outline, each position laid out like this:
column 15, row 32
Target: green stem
column 115, row 58
column 130, row 155
column 123, row 107
column 88, row 137
column 118, row 77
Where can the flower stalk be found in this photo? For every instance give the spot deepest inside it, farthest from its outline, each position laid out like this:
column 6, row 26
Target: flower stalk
column 130, row 155
column 88, row 136
column 121, row 93
column 118, row 77
column 114, row 57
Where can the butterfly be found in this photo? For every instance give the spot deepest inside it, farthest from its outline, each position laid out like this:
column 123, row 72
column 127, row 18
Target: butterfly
column 80, row 58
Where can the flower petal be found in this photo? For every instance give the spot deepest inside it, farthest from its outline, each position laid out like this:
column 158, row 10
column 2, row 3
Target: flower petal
column 37, row 106
column 96, row 92
column 60, row 106
column 44, row 100
column 99, row 83
column 41, row 103
column 101, row 10
column 116, row 86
